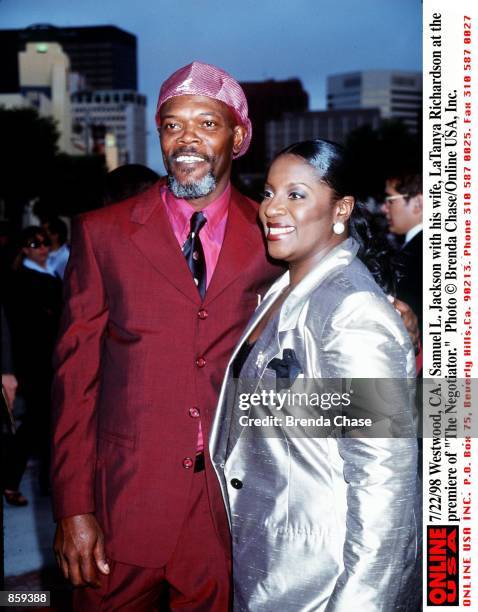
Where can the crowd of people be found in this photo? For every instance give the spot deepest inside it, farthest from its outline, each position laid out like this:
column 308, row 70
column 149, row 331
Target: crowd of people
column 158, row 490
column 33, row 265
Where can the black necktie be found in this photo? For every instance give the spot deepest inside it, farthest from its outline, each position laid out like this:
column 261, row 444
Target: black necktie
column 194, row 254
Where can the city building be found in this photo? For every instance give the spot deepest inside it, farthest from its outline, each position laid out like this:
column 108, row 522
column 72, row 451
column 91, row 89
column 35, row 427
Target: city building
column 9, row 74
column 99, row 75
column 267, row 100
column 104, row 55
column 121, row 114
column 43, row 83
column 396, row 93
column 330, row 124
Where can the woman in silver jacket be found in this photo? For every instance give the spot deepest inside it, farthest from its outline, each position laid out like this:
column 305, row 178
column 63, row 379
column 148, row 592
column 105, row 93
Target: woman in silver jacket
column 322, row 518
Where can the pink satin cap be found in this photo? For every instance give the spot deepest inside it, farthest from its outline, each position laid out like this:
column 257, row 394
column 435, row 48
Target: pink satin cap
column 199, row 79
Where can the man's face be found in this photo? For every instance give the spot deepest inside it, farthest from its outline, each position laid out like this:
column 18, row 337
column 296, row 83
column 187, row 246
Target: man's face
column 198, row 138
column 402, row 212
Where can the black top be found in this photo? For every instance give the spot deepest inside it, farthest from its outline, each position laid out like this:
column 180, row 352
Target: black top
column 410, row 286
column 241, row 358
column 33, row 308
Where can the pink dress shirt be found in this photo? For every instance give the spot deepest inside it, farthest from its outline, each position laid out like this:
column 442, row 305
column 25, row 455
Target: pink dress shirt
column 212, row 234
column 179, row 213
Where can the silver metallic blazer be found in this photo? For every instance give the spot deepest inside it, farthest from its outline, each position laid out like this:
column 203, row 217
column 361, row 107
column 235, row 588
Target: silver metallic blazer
column 323, row 524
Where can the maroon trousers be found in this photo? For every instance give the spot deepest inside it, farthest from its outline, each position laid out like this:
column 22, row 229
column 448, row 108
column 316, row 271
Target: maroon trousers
column 195, row 579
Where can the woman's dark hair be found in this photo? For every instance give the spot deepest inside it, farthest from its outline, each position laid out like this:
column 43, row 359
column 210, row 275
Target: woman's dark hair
column 336, row 169
column 30, row 233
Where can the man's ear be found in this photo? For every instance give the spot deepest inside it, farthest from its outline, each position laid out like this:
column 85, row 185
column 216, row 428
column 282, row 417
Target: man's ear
column 240, row 133
column 416, row 204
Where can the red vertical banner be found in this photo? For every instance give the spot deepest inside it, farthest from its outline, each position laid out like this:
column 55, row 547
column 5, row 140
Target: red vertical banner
column 442, row 566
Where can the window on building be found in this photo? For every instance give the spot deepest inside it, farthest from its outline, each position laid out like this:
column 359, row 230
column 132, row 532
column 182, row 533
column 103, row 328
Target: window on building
column 404, row 81
column 353, row 81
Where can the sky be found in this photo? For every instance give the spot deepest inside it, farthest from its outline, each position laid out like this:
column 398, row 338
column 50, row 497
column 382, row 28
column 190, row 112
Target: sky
column 251, row 39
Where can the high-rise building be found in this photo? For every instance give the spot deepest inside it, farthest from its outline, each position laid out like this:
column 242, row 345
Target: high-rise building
column 104, row 55
column 330, row 124
column 120, row 113
column 9, row 74
column 43, row 83
column 267, row 100
column 44, row 70
column 100, row 76
column 397, row 93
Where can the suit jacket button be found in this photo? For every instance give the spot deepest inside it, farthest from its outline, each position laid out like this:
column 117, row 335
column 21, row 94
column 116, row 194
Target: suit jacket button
column 194, row 412
column 236, row 483
column 203, row 314
column 187, row 463
column 200, row 362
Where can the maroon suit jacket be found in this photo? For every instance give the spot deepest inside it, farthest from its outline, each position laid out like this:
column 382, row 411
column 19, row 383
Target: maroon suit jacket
column 138, row 350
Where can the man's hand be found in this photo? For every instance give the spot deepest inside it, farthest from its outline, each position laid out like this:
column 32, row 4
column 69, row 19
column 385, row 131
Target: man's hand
column 409, row 319
column 79, row 550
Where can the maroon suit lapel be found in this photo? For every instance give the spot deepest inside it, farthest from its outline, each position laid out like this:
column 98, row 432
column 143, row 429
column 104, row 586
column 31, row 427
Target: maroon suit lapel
column 157, row 242
column 240, row 239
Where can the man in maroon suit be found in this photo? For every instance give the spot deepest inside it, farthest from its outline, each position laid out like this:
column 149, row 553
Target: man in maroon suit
column 158, row 288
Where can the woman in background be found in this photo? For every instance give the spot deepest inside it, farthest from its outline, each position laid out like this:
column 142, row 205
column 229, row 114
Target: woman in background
column 33, row 306
column 321, row 523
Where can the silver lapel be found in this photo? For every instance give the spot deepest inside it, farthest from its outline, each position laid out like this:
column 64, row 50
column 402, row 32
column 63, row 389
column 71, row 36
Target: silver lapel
column 218, row 436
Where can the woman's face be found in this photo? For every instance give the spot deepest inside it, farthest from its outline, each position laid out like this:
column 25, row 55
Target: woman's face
column 298, row 213
column 37, row 250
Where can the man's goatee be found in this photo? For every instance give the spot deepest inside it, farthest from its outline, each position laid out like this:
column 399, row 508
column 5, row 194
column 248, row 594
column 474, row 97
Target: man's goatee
column 194, row 189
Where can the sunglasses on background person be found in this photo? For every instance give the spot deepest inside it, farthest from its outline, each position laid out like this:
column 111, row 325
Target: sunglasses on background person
column 36, row 244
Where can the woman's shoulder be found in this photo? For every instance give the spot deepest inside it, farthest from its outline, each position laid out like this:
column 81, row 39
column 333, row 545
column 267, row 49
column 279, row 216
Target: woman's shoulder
column 346, row 287
column 350, row 298
column 358, row 327
column 354, row 278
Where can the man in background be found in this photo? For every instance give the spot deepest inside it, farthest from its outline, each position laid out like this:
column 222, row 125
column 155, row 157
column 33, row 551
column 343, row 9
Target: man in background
column 126, row 181
column 57, row 231
column 403, row 208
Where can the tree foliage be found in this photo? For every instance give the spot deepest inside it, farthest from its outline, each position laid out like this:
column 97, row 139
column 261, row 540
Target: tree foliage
column 27, row 154
column 32, row 168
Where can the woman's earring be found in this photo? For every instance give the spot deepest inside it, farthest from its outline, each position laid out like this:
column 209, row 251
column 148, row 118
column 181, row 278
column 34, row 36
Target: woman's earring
column 338, row 227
